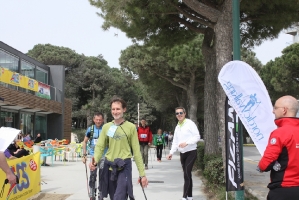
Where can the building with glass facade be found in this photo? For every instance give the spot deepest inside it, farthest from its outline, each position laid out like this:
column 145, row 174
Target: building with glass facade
column 32, row 96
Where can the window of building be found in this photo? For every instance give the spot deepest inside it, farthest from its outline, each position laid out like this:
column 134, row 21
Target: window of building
column 8, row 61
column 26, row 125
column 27, row 69
column 41, row 126
column 8, row 119
column 41, row 75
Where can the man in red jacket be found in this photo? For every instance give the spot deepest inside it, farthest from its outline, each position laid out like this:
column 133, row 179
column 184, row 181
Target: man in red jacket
column 145, row 138
column 281, row 156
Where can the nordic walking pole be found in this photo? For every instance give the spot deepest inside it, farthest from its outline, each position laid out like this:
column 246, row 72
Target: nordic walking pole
column 142, row 188
column 87, row 179
column 151, row 158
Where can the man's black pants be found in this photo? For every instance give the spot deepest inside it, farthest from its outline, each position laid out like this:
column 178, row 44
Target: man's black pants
column 187, row 161
column 286, row 193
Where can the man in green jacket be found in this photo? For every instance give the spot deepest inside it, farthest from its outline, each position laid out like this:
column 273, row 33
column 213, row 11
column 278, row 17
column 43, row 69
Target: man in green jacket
column 120, row 137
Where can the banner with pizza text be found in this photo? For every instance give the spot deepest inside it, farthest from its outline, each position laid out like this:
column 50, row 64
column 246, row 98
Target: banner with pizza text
column 233, row 150
column 27, row 168
column 249, row 97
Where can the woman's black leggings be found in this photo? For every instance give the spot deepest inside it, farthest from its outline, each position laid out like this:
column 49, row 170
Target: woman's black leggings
column 159, row 151
column 187, row 161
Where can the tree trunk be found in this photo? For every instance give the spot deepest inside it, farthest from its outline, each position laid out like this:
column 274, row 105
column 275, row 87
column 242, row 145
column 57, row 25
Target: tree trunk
column 210, row 106
column 105, row 117
column 192, row 100
column 88, row 118
column 223, row 33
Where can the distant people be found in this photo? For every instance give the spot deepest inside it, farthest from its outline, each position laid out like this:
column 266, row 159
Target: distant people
column 38, row 138
column 159, row 142
column 16, row 151
column 170, row 139
column 186, row 136
column 91, row 137
column 27, row 137
column 145, row 138
column 165, row 134
column 20, row 136
column 12, row 179
column 282, row 152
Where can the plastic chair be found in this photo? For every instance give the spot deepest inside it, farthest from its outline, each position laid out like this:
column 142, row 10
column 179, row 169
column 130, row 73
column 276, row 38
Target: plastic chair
column 20, row 144
column 60, row 153
column 28, row 143
column 66, row 142
column 79, row 150
column 46, row 152
column 71, row 150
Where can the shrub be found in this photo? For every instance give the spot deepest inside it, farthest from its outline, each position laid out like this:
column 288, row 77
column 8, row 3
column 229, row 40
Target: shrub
column 213, row 170
column 80, row 134
column 199, row 162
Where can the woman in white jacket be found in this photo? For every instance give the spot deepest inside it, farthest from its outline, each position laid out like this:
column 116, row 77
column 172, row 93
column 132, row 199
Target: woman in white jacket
column 186, row 136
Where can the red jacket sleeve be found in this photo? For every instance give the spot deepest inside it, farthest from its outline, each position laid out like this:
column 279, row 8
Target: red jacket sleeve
column 273, row 149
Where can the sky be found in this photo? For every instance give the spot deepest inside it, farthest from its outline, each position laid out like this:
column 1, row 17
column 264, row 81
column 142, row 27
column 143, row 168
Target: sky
column 75, row 24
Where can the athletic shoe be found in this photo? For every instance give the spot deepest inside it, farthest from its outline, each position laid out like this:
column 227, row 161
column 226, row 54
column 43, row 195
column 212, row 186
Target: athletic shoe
column 189, row 198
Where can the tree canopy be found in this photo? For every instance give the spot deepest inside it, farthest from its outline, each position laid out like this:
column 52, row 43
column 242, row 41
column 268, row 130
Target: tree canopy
column 173, row 21
column 181, row 66
column 281, row 76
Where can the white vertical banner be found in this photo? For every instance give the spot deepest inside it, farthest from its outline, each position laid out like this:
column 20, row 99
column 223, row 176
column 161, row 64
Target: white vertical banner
column 250, row 99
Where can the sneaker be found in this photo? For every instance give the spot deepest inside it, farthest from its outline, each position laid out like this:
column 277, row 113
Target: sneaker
column 189, row 198
column 184, row 199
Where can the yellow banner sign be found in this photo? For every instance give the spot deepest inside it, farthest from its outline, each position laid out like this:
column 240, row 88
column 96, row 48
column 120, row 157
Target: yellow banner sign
column 14, row 78
column 27, row 169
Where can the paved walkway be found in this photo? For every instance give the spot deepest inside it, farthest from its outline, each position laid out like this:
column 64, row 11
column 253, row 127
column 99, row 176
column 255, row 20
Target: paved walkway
column 255, row 182
column 167, row 175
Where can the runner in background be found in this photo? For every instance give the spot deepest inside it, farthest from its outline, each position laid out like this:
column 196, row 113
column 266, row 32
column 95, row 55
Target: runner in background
column 91, row 136
column 159, row 142
column 145, row 138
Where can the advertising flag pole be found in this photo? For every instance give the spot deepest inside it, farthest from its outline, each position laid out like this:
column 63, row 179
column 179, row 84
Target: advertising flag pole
column 239, row 195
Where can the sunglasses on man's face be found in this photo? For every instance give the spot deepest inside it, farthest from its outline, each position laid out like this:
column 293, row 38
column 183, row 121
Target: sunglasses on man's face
column 179, row 113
